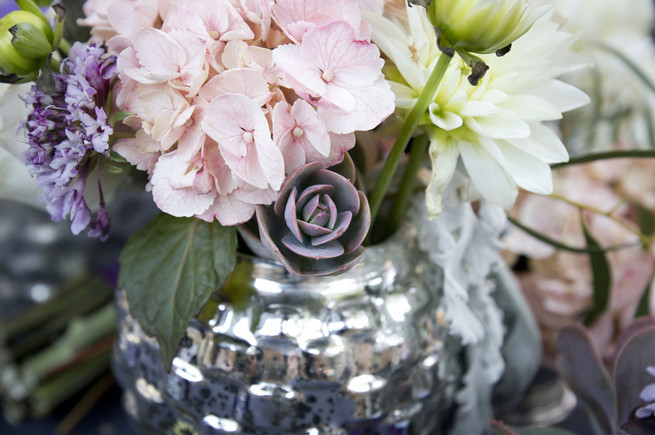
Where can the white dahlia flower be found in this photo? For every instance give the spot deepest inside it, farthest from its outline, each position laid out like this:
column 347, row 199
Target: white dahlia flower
column 496, row 127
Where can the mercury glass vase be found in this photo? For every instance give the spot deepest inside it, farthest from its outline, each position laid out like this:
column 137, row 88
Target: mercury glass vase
column 355, row 353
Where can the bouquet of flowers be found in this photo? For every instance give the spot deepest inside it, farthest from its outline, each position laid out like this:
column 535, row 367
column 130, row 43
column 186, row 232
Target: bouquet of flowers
column 294, row 129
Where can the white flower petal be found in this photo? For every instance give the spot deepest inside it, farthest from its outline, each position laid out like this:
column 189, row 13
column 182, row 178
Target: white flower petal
column 444, row 162
column 532, row 108
column 529, row 172
column 500, row 126
column 488, row 175
column 443, row 118
column 564, row 96
column 542, row 143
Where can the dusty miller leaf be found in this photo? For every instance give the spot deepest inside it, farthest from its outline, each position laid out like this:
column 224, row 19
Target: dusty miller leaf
column 169, row 269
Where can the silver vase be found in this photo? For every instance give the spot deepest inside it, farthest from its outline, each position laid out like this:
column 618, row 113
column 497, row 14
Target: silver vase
column 371, row 351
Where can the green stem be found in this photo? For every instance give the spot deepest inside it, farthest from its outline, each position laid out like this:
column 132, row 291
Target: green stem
column 564, row 247
column 619, row 154
column 64, row 46
column 416, row 158
column 405, row 134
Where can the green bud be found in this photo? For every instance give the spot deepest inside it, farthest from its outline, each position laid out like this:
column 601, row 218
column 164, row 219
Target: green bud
column 482, row 26
column 25, row 41
column 29, row 41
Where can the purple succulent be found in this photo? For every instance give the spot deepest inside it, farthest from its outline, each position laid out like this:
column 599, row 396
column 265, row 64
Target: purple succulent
column 318, row 222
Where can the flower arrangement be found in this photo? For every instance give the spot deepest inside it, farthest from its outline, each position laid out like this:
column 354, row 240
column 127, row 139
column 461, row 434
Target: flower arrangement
column 296, row 130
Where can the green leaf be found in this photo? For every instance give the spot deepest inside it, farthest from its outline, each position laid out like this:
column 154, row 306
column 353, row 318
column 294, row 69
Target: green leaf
column 643, row 309
column 646, row 219
column 169, row 269
column 581, row 366
column 119, row 116
column 602, row 276
column 73, row 32
column 562, row 246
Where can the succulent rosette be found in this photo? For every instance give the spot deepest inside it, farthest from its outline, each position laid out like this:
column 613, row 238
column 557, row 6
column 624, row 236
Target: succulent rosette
column 318, row 222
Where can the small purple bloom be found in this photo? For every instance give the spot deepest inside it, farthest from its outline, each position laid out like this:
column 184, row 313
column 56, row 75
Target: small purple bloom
column 67, row 131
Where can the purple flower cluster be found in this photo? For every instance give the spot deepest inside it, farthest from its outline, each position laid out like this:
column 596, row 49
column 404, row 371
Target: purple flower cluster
column 67, row 130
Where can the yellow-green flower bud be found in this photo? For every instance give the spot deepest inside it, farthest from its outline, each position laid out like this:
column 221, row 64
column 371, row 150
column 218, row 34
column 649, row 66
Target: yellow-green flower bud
column 25, row 40
column 482, row 26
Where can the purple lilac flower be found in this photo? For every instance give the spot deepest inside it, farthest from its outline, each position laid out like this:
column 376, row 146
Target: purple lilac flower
column 67, row 130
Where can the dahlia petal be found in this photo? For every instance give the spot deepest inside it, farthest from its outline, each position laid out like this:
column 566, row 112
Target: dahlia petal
column 563, row 95
column 444, row 119
column 444, row 161
column 532, row 108
column 488, row 175
column 528, row 171
column 501, row 126
column 543, row 143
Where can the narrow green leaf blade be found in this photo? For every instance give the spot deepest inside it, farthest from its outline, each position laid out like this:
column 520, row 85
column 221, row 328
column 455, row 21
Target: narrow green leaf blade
column 169, row 269
column 602, row 276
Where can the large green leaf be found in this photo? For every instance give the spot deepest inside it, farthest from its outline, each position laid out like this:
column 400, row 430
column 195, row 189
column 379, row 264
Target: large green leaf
column 169, row 269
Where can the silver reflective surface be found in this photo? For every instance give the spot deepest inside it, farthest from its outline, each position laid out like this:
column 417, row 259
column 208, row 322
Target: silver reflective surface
column 358, row 353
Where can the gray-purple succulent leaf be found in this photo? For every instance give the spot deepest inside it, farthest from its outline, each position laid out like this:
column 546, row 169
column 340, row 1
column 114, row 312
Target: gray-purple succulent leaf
column 318, row 222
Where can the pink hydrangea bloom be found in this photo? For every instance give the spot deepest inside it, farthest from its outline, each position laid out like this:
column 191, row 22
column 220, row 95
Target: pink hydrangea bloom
column 229, row 96
column 340, row 74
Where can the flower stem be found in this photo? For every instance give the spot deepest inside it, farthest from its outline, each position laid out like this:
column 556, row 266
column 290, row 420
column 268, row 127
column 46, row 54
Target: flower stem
column 645, row 241
column 416, row 157
column 64, row 46
column 405, row 134
column 619, row 154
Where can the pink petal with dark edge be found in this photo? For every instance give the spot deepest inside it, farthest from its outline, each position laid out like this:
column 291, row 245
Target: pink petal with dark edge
column 312, row 229
column 328, row 250
column 290, row 216
column 343, row 222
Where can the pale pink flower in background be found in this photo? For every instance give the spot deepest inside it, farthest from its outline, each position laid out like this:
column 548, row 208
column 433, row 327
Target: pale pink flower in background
column 295, row 17
column 241, row 130
column 299, row 133
column 340, row 74
column 258, row 13
column 559, row 284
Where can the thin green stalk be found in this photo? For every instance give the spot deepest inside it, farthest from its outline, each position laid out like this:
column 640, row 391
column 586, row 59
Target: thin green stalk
column 645, row 241
column 564, row 247
column 405, row 134
column 416, row 158
column 619, row 154
column 64, row 46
